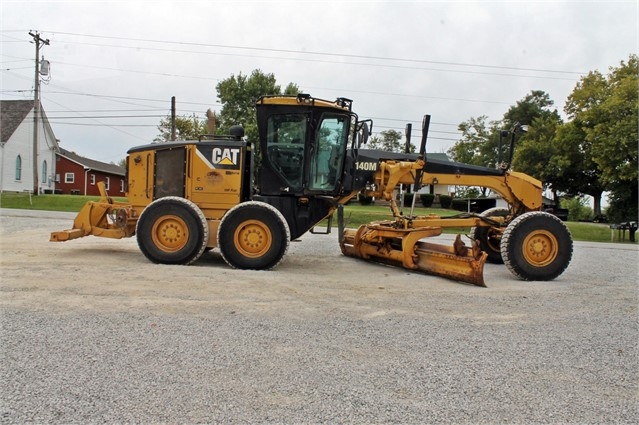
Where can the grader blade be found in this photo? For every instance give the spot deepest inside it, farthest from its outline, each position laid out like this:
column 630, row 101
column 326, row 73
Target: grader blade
column 403, row 248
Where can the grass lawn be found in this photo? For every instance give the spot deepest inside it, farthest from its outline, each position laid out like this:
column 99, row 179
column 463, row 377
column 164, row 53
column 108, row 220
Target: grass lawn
column 72, row 203
column 354, row 213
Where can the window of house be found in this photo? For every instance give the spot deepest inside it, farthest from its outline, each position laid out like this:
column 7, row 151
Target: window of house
column 19, row 168
column 44, row 171
column 92, row 178
column 121, row 185
column 69, row 177
column 106, row 183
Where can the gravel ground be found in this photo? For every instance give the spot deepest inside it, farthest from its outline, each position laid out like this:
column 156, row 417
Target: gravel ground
column 91, row 332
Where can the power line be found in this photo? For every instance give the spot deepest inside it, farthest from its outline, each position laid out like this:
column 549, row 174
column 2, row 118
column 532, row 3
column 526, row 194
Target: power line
column 103, row 96
column 322, row 54
column 332, row 89
column 319, row 88
column 104, row 125
column 122, row 99
column 332, row 62
column 108, row 116
column 317, row 53
column 163, row 74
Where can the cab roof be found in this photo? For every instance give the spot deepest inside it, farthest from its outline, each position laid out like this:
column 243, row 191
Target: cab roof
column 340, row 102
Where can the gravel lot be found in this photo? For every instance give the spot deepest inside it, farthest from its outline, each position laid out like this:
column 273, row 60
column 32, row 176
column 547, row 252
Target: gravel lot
column 91, row 332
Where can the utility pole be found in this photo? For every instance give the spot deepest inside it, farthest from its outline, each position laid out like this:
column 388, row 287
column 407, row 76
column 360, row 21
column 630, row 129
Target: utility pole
column 39, row 42
column 173, row 118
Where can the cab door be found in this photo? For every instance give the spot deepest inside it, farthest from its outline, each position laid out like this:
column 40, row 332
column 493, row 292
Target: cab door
column 326, row 159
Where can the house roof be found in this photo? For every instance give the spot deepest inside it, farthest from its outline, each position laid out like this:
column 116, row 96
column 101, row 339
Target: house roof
column 437, row 155
column 92, row 164
column 12, row 113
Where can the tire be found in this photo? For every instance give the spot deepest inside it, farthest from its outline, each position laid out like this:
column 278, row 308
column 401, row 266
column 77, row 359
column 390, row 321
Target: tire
column 490, row 237
column 172, row 230
column 536, row 246
column 253, row 235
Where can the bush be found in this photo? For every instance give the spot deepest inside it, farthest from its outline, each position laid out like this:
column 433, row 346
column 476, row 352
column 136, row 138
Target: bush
column 459, row 204
column 445, row 201
column 427, row 199
column 365, row 200
column 577, row 208
column 408, row 199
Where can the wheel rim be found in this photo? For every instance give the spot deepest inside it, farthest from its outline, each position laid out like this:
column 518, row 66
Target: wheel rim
column 540, row 248
column 170, row 233
column 253, row 238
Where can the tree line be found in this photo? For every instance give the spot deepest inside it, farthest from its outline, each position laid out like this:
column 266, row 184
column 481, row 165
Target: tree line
column 593, row 152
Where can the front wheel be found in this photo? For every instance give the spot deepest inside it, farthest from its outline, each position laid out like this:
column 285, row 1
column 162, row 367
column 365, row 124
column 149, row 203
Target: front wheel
column 536, row 246
column 253, row 235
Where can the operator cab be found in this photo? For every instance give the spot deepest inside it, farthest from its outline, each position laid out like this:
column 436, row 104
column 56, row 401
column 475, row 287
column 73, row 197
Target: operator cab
column 303, row 145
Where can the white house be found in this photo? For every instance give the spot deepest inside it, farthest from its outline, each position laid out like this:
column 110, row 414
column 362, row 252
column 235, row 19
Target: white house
column 16, row 148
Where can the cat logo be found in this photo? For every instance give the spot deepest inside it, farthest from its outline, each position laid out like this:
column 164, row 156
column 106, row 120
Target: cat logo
column 225, row 156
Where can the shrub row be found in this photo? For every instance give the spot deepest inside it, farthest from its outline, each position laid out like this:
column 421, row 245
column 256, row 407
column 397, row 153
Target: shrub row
column 426, row 199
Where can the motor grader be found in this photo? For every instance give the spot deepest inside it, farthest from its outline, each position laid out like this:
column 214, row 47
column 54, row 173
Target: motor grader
column 186, row 197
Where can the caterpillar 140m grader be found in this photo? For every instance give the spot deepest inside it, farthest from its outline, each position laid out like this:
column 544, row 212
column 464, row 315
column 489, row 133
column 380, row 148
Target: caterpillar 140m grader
column 187, row 197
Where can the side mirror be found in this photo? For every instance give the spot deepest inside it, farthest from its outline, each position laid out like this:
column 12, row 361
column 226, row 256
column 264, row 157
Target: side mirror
column 363, row 132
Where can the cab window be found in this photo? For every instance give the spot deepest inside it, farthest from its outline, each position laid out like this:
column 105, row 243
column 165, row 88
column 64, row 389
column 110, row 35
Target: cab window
column 285, row 146
column 328, row 157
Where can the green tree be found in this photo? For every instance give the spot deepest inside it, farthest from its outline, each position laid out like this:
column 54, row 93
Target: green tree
column 536, row 111
column 238, row 95
column 576, row 172
column 554, row 153
column 186, row 128
column 478, row 144
column 536, row 104
column 389, row 141
column 605, row 110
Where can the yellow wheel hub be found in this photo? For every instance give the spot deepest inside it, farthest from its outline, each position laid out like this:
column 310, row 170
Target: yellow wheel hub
column 540, row 248
column 253, row 238
column 170, row 233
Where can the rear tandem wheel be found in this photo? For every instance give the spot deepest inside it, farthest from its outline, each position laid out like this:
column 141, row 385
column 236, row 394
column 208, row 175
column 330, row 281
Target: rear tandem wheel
column 172, row 230
column 536, row 246
column 253, row 235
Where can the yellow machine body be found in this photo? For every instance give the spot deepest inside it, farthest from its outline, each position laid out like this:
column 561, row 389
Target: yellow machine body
column 189, row 196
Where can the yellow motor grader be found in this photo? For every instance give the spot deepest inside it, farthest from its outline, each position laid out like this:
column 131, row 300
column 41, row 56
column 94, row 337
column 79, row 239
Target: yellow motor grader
column 221, row 192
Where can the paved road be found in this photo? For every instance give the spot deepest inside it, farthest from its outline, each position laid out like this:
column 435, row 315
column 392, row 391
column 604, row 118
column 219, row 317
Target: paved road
column 91, row 332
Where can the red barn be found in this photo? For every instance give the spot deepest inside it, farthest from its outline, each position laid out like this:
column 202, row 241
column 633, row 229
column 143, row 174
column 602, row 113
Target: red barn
column 77, row 175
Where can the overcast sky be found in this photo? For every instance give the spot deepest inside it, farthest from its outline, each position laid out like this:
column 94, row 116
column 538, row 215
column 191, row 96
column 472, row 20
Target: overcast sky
column 396, row 60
